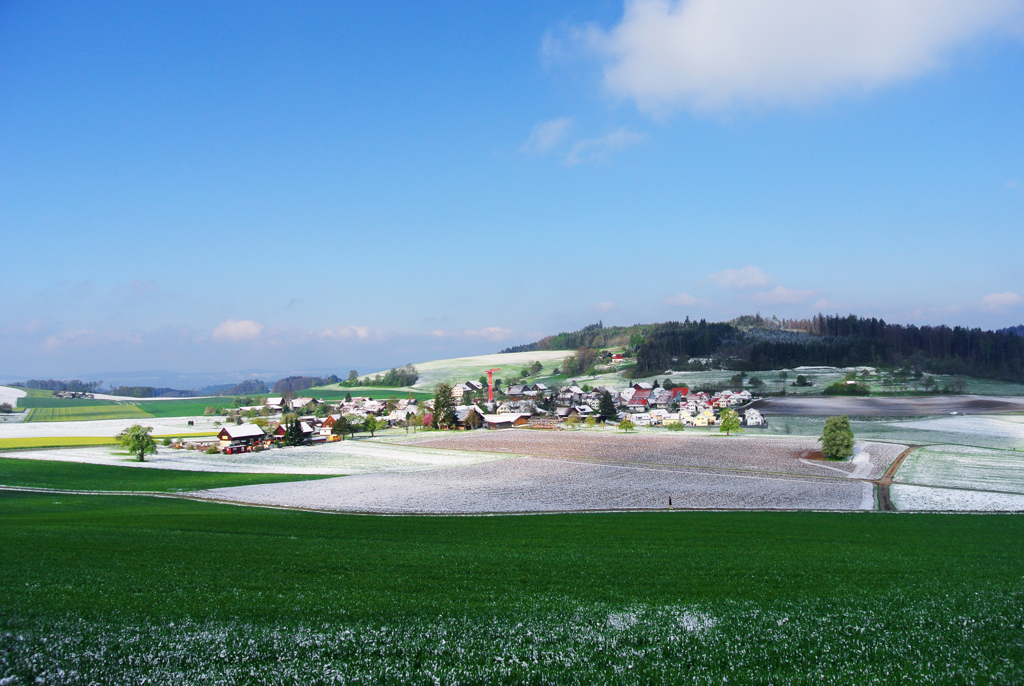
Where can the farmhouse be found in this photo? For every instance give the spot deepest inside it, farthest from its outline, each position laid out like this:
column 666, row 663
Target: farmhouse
column 506, row 421
column 241, row 436
column 753, row 418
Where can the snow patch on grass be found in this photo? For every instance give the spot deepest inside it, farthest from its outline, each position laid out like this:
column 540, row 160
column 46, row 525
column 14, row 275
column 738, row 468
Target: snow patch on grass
column 909, row 498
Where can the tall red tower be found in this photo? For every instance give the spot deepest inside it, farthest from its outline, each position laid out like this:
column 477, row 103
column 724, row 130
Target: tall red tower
column 490, row 384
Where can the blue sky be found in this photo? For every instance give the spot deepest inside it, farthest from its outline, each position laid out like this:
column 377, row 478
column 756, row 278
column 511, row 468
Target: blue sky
column 206, row 188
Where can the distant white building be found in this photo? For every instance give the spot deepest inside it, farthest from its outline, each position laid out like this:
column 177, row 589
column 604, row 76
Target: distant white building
column 753, row 418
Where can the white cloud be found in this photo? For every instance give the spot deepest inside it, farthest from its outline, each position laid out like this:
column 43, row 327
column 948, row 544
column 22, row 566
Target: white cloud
column 597, row 149
column 781, row 296
column 547, row 135
column 238, row 330
column 490, row 333
column 683, row 299
column 439, row 333
column 69, row 336
column 998, row 302
column 360, row 332
column 719, row 54
column 740, row 279
column 606, row 306
column 821, row 304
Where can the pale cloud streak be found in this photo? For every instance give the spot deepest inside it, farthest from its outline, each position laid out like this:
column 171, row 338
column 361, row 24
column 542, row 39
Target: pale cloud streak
column 606, row 306
column 781, row 296
column 740, row 279
column 597, row 149
column 547, row 135
column 712, row 55
column 361, row 333
column 238, row 330
column 489, row 333
column 1000, row 302
column 681, row 299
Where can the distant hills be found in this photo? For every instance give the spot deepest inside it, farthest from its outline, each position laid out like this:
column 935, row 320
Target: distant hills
column 753, row 343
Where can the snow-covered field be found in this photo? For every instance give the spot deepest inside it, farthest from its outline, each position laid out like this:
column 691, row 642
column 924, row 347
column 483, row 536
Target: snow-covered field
column 772, row 454
column 1001, row 427
column 343, row 457
column 957, row 466
column 11, row 395
column 470, row 368
column 908, row 498
column 175, row 426
column 523, row 484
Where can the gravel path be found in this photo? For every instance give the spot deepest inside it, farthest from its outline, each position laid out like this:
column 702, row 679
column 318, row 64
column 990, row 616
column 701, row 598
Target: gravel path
column 523, row 484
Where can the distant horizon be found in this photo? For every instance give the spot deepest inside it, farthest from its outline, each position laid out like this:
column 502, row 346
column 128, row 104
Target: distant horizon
column 186, row 381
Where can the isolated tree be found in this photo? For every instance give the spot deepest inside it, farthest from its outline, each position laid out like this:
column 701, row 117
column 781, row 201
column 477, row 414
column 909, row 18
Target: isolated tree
column 606, row 408
column 837, row 438
column 341, row 427
column 6, row 408
column 729, row 421
column 415, row 421
column 591, row 422
column 756, row 383
column 353, row 376
column 801, row 380
column 474, row 420
column 572, row 422
column 444, row 407
column 668, row 385
column 626, row 425
column 370, row 424
column 137, row 441
column 293, row 434
column 536, row 367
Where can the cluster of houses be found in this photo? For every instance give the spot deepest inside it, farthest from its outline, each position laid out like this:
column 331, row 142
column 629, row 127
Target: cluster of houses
column 643, row 403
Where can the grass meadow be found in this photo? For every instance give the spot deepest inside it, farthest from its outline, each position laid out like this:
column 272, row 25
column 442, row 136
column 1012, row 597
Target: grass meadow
column 85, row 413
column 108, row 589
column 26, row 473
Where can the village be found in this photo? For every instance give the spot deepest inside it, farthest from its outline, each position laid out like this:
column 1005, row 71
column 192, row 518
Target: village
column 476, row 406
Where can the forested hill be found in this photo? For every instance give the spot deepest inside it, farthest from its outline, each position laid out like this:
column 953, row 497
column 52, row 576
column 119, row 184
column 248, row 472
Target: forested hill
column 752, row 344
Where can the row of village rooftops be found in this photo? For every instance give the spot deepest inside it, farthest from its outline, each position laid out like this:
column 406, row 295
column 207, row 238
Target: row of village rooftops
column 643, row 404
column 245, row 437
column 638, row 398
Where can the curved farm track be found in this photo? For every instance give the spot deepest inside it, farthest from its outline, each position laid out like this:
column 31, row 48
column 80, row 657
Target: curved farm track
column 884, row 499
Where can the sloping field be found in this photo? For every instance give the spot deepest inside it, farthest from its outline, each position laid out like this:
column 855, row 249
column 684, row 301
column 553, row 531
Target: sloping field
column 666, row 450
column 521, row 484
column 889, row 407
column 955, row 466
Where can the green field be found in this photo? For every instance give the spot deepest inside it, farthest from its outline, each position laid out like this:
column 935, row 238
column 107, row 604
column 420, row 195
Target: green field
column 106, row 589
column 53, row 442
column 334, row 393
column 51, row 402
column 92, row 477
column 86, row 413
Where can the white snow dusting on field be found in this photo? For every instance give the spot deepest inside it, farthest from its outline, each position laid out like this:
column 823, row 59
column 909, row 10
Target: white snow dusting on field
column 956, row 466
column 11, row 395
column 523, row 484
column 909, row 498
column 1011, row 426
column 343, row 457
column 174, row 426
